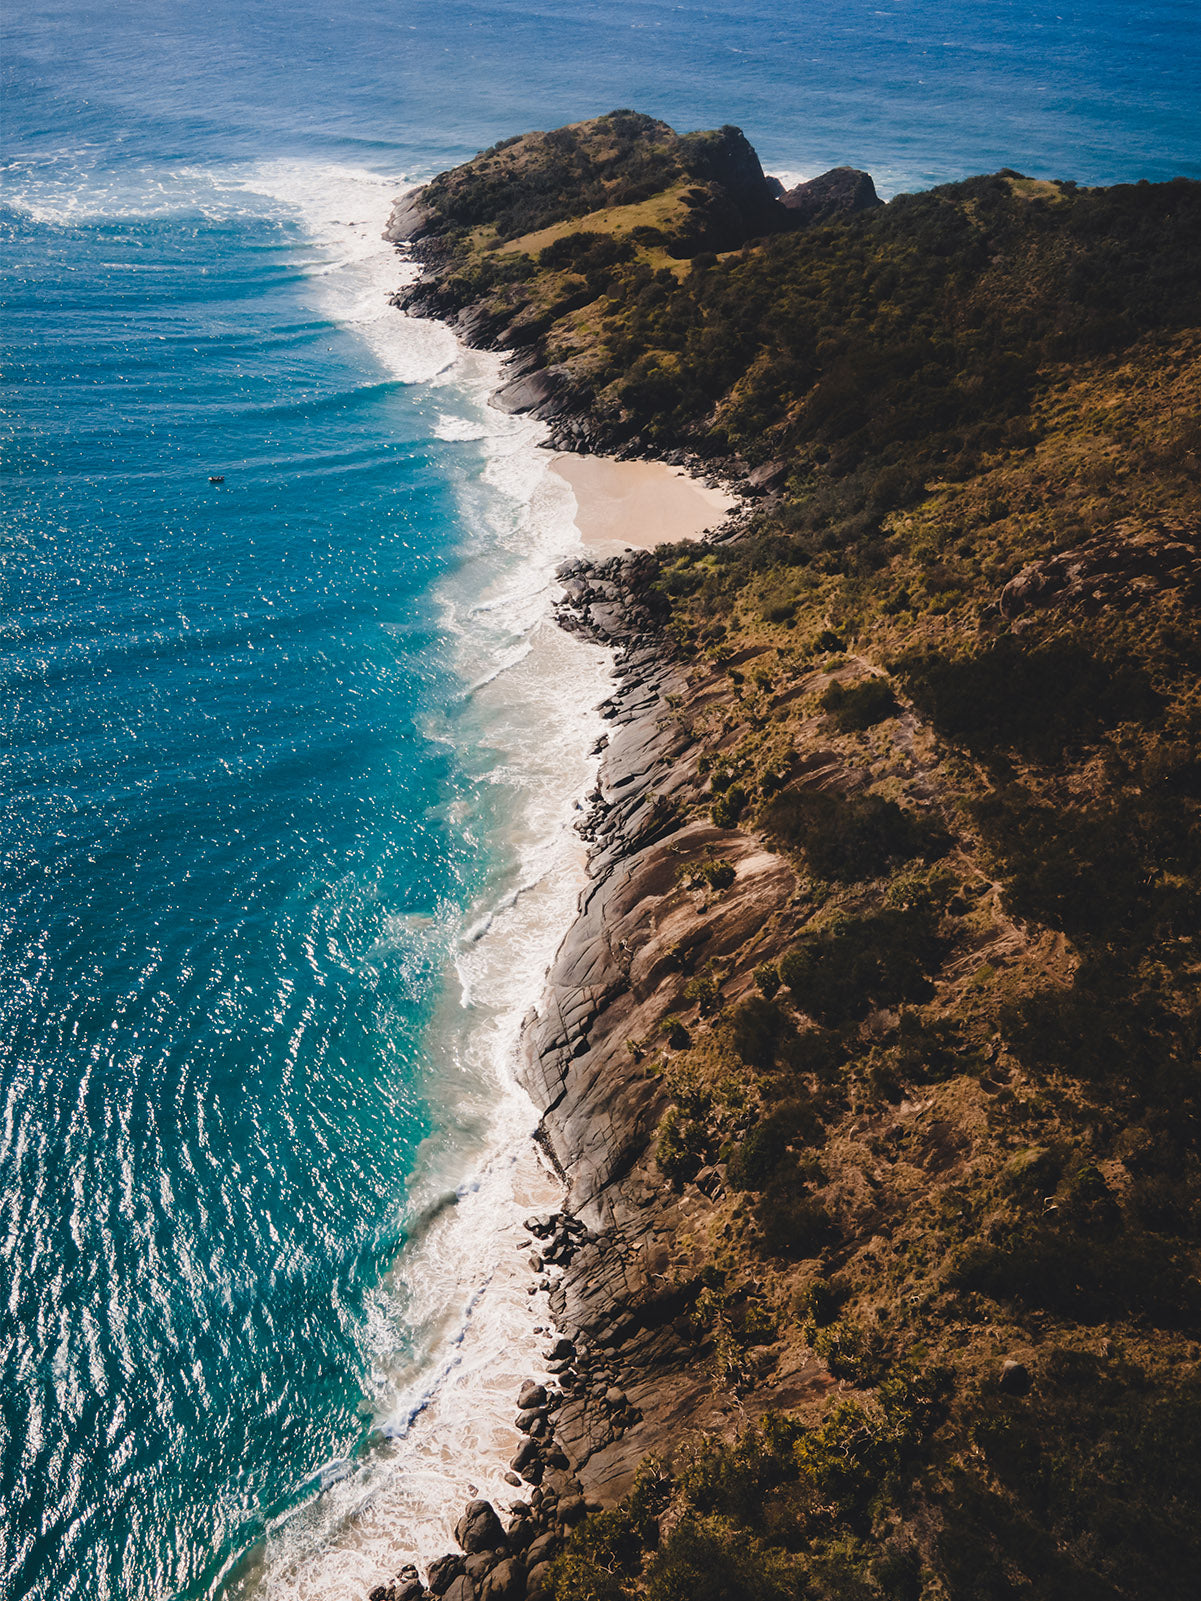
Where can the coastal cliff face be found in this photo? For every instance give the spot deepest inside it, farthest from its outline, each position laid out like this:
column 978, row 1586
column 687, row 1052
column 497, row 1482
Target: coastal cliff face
column 872, row 1059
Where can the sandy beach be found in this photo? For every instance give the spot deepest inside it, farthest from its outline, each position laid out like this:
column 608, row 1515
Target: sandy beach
column 639, row 503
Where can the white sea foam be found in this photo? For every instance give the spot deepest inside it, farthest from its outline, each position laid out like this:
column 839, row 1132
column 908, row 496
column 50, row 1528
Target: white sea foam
column 451, row 1331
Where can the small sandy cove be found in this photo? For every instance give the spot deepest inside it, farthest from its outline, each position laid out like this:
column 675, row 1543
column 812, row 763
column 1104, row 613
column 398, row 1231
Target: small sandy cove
column 639, row 503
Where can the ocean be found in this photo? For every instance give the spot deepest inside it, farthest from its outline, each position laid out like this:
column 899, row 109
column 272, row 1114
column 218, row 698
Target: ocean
column 291, row 761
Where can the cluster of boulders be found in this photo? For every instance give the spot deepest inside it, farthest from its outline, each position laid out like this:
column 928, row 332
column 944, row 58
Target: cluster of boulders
column 500, row 1562
column 497, row 1563
column 1121, row 566
column 579, row 1373
column 610, row 602
column 512, row 1562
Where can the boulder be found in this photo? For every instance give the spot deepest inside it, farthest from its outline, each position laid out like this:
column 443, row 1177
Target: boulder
column 532, row 1395
column 479, row 1529
column 444, row 1572
column 542, row 1550
column 1014, row 1378
column 406, row 1586
column 504, row 1583
column 538, row 1583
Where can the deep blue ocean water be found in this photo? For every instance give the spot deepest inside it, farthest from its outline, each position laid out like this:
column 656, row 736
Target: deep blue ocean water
column 269, row 759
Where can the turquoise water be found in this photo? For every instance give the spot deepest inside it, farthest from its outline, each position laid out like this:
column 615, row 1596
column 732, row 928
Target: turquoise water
column 279, row 751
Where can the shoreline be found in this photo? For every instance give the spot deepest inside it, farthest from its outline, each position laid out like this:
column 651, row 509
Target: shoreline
column 617, row 1381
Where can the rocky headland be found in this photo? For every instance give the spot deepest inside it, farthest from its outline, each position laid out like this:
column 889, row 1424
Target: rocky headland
column 870, row 1062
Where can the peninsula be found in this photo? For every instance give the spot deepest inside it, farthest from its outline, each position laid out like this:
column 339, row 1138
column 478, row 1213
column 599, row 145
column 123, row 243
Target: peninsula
column 871, row 1062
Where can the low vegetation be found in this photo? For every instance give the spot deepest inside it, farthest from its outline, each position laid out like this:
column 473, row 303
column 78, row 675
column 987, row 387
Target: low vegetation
column 951, row 668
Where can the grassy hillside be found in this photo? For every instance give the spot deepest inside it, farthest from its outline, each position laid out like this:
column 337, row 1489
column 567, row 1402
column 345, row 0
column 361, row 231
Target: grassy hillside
column 951, row 667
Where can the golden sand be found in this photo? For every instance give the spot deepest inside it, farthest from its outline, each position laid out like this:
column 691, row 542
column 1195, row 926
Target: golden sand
column 639, row 503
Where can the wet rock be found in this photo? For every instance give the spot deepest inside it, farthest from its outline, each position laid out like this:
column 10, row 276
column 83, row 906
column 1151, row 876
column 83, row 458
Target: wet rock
column 460, row 1589
column 562, row 1348
column 406, row 1586
column 526, row 1420
column 531, row 1396
column 527, row 1452
column 479, row 1529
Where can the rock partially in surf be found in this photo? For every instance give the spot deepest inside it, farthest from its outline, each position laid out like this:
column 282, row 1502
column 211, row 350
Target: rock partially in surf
column 408, row 221
column 406, row 1586
column 531, row 1395
column 479, row 1529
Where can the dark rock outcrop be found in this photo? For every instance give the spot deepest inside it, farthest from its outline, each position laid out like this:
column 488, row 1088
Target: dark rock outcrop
column 1119, row 568
column 833, row 194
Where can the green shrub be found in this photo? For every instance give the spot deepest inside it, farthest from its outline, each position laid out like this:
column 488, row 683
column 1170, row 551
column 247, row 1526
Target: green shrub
column 675, row 1033
column 682, row 1145
column 710, row 1560
column 820, row 1300
column 601, row 1554
column 759, row 1030
column 1037, row 698
column 878, row 959
column 732, row 1477
column 718, row 874
column 869, row 701
column 851, row 1351
column 1095, row 1280
column 762, row 1152
column 728, row 808
column 703, row 992
column 851, row 838
column 767, row 977
column 793, row 1226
